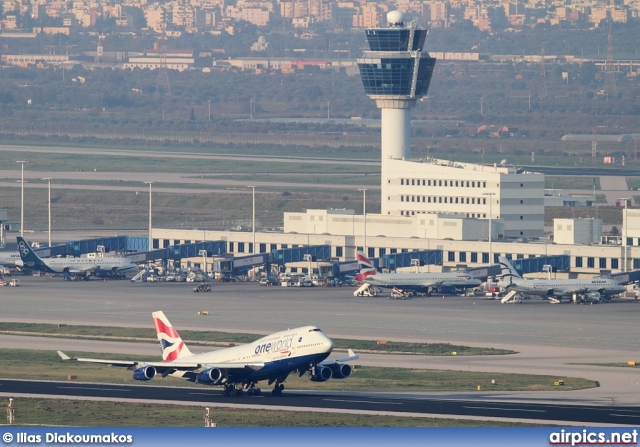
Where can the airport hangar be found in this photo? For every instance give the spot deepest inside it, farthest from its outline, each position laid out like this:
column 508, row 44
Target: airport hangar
column 442, row 205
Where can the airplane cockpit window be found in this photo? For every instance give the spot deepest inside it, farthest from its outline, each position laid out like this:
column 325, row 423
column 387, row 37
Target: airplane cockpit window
column 315, row 330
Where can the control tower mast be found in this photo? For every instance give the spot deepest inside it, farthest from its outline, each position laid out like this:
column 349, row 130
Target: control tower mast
column 395, row 73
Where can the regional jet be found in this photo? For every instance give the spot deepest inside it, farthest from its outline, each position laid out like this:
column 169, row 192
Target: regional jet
column 74, row 266
column 240, row 368
column 10, row 259
column 421, row 282
column 591, row 289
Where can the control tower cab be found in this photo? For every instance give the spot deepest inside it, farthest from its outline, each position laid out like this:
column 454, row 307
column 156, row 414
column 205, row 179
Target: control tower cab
column 395, row 73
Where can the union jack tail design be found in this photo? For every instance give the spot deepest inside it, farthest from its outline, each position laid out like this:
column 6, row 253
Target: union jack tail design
column 366, row 267
column 171, row 344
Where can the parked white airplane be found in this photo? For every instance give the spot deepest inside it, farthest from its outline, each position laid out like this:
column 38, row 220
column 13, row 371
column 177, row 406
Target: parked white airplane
column 422, row 282
column 591, row 288
column 10, row 259
column 74, row 266
column 239, row 368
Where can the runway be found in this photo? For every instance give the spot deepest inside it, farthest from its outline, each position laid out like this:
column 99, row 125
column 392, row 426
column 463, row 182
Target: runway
column 561, row 340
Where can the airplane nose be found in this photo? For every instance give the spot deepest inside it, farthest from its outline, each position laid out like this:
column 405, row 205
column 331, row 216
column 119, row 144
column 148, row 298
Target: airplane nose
column 328, row 343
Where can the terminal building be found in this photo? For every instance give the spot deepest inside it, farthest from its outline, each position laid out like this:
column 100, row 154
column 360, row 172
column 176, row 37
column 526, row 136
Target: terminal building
column 468, row 211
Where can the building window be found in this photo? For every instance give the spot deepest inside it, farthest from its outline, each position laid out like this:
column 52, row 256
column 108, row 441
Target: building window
column 155, row 243
column 402, row 181
column 473, row 184
column 176, row 242
column 474, row 257
column 463, row 256
column 636, row 264
column 393, row 251
column 451, row 256
column 273, row 247
column 484, row 184
column 603, row 263
column 413, row 182
column 439, row 199
column 614, row 263
column 521, row 217
column 339, row 252
column 165, row 243
column 284, row 246
column 521, row 202
column 578, row 261
column 371, row 252
column 241, row 247
column 231, row 250
column 439, row 182
column 428, row 182
column 629, row 241
column 456, row 183
column 382, row 252
column 429, row 199
column 591, row 263
column 263, row 248
column 485, row 258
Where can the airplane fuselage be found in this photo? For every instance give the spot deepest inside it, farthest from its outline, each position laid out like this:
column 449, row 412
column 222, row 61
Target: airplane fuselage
column 544, row 287
column 281, row 352
column 423, row 280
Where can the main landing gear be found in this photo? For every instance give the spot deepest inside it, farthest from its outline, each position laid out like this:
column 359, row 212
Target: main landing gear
column 277, row 390
column 232, row 390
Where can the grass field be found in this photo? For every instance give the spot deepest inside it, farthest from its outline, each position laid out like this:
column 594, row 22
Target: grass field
column 214, row 338
column 61, row 412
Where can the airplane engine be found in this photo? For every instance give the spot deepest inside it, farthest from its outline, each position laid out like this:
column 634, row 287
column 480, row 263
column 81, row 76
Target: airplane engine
column 594, row 296
column 145, row 373
column 341, row 370
column 320, row 374
column 211, row 376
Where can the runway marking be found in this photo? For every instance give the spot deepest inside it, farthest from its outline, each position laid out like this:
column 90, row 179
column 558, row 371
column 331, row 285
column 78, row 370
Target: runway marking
column 507, row 409
column 362, row 401
column 625, row 415
column 91, row 388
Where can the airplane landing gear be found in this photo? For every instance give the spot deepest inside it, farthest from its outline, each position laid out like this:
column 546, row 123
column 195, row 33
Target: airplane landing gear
column 277, row 390
column 231, row 390
column 251, row 390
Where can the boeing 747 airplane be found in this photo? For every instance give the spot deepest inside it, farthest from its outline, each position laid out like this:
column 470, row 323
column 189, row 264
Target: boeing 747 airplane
column 592, row 289
column 73, row 266
column 421, row 282
column 239, row 368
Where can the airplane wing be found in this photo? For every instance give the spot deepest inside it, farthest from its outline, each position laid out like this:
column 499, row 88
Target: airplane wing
column 165, row 366
column 566, row 292
column 352, row 356
column 87, row 269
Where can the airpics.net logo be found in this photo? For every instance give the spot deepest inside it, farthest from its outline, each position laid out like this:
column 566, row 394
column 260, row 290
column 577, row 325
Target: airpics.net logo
column 587, row 437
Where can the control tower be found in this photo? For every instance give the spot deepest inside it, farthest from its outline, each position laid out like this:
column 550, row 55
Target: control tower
column 395, row 73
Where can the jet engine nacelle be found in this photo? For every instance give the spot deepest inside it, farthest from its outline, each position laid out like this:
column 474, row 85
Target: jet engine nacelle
column 320, row 374
column 211, row 376
column 340, row 370
column 145, row 373
column 594, row 296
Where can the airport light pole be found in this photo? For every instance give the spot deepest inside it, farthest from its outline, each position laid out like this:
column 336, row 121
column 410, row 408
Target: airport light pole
column 22, row 162
column 49, row 180
column 253, row 218
column 364, row 220
column 626, row 224
column 490, row 194
column 150, row 216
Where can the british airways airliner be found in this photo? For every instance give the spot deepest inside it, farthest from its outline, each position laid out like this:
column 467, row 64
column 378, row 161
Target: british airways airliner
column 240, row 368
column 422, row 282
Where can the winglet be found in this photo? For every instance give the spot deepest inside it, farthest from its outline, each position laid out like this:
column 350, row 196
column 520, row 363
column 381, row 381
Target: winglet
column 63, row 355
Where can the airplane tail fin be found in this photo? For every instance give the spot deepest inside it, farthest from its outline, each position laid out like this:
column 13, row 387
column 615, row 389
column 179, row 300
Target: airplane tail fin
column 507, row 272
column 172, row 346
column 28, row 256
column 366, row 267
